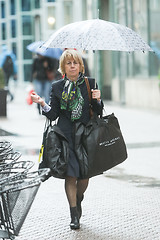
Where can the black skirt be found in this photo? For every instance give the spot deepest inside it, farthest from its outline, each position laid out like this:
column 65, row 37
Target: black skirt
column 73, row 169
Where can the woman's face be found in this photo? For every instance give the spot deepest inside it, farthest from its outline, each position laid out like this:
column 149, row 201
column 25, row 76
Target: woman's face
column 72, row 68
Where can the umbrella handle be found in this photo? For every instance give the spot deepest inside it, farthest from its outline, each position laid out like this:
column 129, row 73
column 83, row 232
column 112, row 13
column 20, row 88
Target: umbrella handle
column 96, row 63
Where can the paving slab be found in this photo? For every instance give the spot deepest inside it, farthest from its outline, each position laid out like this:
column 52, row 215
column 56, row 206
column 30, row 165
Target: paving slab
column 112, row 210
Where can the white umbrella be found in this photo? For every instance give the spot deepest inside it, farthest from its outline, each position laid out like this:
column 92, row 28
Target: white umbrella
column 97, row 34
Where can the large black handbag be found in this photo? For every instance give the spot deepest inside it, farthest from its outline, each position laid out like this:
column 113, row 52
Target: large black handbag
column 55, row 151
column 99, row 145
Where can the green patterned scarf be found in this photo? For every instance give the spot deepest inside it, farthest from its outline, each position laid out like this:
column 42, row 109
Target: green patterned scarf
column 72, row 99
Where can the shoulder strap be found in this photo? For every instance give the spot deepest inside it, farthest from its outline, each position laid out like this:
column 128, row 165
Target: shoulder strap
column 88, row 88
column 89, row 94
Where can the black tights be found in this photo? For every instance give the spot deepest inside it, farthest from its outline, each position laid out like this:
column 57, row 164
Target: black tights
column 75, row 187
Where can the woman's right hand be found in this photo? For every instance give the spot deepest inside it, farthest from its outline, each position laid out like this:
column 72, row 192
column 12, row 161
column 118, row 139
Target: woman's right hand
column 37, row 99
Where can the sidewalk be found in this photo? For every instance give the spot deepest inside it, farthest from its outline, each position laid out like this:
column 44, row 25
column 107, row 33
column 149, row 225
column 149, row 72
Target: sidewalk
column 121, row 204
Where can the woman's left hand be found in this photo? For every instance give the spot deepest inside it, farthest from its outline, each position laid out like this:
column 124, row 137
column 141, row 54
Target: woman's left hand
column 96, row 94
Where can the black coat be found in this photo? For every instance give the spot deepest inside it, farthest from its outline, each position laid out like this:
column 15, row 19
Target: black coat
column 40, row 67
column 64, row 118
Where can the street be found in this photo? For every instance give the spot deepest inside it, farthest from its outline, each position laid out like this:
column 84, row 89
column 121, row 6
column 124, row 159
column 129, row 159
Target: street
column 123, row 203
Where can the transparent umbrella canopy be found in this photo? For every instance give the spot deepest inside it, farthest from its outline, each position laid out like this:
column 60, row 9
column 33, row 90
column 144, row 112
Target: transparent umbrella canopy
column 97, row 34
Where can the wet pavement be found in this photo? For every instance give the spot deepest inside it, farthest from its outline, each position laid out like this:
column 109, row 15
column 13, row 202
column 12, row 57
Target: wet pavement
column 123, row 203
column 112, row 209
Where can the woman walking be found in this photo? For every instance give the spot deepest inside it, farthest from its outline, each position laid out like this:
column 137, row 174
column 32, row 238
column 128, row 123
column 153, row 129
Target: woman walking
column 69, row 102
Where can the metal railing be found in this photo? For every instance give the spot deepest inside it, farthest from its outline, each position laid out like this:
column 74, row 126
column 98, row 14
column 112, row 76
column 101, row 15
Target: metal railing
column 18, row 188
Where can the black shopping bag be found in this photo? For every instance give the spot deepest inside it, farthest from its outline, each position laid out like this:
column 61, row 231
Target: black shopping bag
column 54, row 152
column 99, row 145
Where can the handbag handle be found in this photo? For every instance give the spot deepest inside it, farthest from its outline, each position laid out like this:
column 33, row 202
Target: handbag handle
column 88, row 88
column 90, row 98
column 89, row 95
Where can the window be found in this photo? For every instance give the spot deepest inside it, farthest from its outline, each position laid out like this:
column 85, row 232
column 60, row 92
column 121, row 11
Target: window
column 14, row 48
column 27, row 25
column 155, row 5
column 13, row 28
column 27, row 72
column 68, row 15
column 2, row 9
column 85, row 9
column 26, row 53
column 26, row 5
column 154, row 36
column 3, row 31
column 37, row 3
column 12, row 7
column 141, row 27
column 134, row 14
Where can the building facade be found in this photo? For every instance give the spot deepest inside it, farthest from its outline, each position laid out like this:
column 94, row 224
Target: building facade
column 132, row 78
column 25, row 21
column 127, row 78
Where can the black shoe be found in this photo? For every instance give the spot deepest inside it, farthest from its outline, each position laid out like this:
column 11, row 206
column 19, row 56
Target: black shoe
column 74, row 219
column 79, row 207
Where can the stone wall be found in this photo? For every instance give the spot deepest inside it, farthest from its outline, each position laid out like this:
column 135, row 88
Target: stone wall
column 138, row 92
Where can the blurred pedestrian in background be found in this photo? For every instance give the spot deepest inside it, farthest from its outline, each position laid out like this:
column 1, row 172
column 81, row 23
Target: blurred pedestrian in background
column 70, row 104
column 9, row 67
column 44, row 70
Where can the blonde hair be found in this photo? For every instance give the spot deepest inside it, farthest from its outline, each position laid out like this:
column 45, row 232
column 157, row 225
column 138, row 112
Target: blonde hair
column 67, row 54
